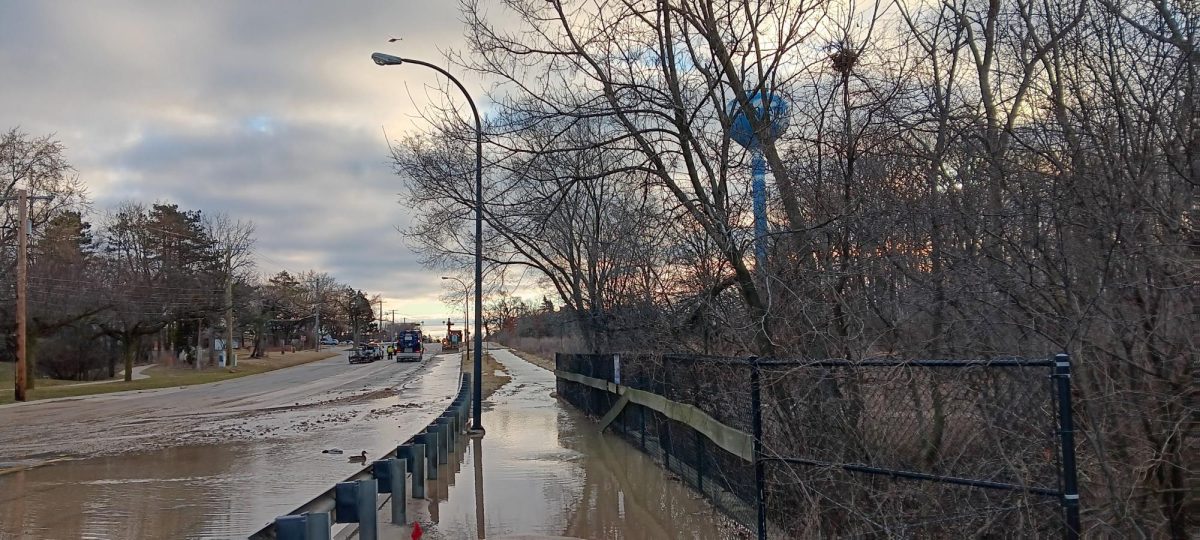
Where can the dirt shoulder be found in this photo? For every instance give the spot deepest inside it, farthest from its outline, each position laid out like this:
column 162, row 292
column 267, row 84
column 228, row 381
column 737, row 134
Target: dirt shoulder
column 165, row 377
column 494, row 373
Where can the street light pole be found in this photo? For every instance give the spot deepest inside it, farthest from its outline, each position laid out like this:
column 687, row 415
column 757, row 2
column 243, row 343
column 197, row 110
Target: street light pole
column 476, row 407
column 466, row 311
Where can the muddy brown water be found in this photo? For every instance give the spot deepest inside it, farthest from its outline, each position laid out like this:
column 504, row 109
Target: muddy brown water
column 542, row 469
column 217, row 490
column 547, row 471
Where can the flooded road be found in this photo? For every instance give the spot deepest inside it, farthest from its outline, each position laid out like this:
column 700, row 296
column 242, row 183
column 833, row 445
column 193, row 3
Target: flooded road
column 269, row 463
column 545, row 469
column 236, row 409
column 542, row 469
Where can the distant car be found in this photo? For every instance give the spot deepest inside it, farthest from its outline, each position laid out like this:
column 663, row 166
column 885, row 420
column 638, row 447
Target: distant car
column 328, row 341
column 409, row 347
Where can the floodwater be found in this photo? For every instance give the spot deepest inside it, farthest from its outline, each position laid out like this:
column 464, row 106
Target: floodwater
column 545, row 469
column 542, row 469
column 219, row 490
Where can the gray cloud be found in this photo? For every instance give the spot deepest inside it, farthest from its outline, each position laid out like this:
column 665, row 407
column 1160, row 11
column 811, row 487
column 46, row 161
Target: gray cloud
column 269, row 111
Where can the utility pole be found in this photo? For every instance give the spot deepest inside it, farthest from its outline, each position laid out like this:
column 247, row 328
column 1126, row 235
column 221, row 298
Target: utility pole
column 379, row 327
column 393, row 314
column 199, row 336
column 466, row 315
column 317, row 307
column 229, row 359
column 22, row 271
column 23, row 225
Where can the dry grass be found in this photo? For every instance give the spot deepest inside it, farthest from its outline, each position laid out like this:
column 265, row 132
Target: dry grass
column 539, row 361
column 494, row 374
column 164, row 377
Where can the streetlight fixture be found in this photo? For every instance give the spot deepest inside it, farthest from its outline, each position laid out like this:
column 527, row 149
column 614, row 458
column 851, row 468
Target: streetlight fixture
column 466, row 310
column 476, row 408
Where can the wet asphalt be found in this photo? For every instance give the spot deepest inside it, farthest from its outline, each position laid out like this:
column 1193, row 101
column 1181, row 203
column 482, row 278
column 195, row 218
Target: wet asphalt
column 209, row 461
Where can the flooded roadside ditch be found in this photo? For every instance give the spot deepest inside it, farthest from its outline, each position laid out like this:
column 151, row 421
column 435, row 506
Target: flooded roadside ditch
column 545, row 469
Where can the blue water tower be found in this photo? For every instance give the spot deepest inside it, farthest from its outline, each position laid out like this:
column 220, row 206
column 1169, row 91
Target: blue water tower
column 774, row 109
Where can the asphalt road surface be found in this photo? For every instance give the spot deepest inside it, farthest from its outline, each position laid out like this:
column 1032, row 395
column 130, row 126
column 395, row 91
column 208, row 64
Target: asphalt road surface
column 149, row 419
column 216, row 460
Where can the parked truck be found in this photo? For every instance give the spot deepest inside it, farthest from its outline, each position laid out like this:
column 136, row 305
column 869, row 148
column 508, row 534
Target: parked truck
column 409, row 347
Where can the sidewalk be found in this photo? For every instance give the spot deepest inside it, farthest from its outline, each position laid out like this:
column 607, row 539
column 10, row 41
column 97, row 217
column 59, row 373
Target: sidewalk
column 545, row 471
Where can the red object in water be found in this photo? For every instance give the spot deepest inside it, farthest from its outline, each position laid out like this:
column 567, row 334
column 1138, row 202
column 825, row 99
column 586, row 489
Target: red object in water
column 417, row 532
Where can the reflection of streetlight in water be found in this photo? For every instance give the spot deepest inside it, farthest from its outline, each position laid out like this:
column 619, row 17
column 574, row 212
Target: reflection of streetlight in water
column 477, row 449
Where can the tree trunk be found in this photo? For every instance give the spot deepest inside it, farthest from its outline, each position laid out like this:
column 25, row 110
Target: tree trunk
column 129, row 347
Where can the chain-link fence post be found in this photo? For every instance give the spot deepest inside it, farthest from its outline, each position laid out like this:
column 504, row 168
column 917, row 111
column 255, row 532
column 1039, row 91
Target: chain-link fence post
column 756, row 424
column 642, row 420
column 664, row 436
column 1066, row 433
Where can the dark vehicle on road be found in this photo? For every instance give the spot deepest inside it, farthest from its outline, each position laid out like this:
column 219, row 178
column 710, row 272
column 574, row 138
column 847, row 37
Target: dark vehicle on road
column 409, row 347
column 366, row 353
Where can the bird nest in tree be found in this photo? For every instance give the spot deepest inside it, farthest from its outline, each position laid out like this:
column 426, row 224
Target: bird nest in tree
column 843, row 60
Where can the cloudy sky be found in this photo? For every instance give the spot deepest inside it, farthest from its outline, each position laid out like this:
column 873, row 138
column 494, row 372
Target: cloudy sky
column 267, row 110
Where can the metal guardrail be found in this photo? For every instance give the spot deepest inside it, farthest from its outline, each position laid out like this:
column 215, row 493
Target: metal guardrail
column 401, row 473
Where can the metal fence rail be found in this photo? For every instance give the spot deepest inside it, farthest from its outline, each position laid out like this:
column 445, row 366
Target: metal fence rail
column 401, row 473
column 874, row 448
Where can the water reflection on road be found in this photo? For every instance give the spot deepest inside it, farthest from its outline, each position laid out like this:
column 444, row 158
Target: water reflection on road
column 547, row 470
column 544, row 469
column 215, row 491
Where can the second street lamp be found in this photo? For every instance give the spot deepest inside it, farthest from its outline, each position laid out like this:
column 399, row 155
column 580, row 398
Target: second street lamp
column 476, row 407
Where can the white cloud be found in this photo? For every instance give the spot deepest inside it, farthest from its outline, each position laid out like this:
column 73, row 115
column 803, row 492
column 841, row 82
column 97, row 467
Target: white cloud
column 270, row 111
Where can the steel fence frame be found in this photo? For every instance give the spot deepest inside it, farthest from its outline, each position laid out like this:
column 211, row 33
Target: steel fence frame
column 704, row 465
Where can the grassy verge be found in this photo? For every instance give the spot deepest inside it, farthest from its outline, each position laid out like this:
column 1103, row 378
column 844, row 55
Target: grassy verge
column 161, row 377
column 539, row 361
column 8, row 370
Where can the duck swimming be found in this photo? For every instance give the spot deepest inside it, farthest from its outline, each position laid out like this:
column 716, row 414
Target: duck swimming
column 359, row 459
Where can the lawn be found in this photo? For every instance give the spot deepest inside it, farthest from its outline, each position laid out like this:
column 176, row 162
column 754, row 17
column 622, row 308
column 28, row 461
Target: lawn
column 160, row 377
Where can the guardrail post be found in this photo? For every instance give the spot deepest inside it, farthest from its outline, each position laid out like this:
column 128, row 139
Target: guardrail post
column 1066, row 434
column 390, row 473
column 417, row 467
column 431, row 453
column 447, row 418
column 320, row 526
column 291, row 528
column 354, row 502
column 382, row 473
column 446, row 438
column 756, row 424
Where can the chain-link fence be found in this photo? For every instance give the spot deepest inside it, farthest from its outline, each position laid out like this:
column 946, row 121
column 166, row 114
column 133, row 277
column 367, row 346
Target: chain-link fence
column 837, row 448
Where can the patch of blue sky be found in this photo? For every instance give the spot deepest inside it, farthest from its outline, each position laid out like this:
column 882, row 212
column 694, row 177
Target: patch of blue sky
column 651, row 58
column 260, row 124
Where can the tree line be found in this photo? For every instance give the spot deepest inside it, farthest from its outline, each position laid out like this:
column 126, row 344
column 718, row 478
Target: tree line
column 963, row 179
column 145, row 280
